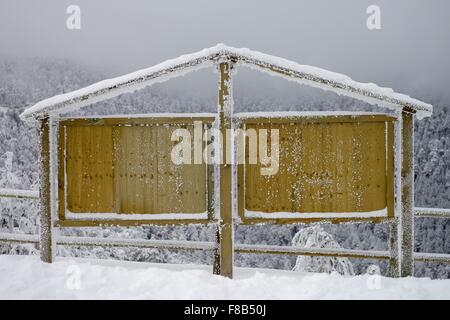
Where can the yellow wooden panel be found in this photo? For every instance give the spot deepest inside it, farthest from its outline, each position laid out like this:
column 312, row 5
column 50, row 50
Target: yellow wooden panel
column 89, row 169
column 61, row 172
column 181, row 188
column 128, row 169
column 168, row 178
column 193, row 184
column 325, row 167
column 74, row 171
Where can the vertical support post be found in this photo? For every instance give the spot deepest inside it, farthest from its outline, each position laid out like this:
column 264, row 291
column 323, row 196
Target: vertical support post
column 394, row 261
column 394, row 206
column 406, row 231
column 45, row 236
column 224, row 257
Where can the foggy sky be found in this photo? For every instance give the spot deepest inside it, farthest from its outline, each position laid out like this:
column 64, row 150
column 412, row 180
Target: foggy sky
column 411, row 53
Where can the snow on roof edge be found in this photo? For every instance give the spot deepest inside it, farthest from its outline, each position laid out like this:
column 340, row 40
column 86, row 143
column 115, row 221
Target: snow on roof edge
column 313, row 76
column 130, row 82
column 331, row 81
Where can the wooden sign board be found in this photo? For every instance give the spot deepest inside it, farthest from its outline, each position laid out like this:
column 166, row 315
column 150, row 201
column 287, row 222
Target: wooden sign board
column 120, row 172
column 330, row 167
column 115, row 170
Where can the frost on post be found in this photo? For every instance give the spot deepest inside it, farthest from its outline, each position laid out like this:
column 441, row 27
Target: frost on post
column 316, row 237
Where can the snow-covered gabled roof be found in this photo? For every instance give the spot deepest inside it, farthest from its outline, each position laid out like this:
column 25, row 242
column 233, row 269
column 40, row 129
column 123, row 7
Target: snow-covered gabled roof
column 184, row 64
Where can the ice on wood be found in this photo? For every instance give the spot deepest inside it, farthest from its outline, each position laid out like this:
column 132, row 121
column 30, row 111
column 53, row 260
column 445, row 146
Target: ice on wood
column 17, row 193
column 136, row 216
column 313, row 215
column 184, row 64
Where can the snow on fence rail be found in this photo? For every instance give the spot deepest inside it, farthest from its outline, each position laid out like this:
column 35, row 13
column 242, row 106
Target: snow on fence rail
column 111, row 242
column 19, row 238
column 238, row 248
column 432, row 212
column 431, row 257
column 17, row 193
column 323, row 252
column 119, row 242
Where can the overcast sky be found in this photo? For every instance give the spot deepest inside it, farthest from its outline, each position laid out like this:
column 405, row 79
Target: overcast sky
column 411, row 52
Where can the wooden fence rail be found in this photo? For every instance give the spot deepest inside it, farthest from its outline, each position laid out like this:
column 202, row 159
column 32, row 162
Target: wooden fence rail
column 431, row 213
column 19, row 194
column 238, row 248
column 321, row 252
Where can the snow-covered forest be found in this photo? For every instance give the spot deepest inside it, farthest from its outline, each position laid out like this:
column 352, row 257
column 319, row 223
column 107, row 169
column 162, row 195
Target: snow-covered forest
column 26, row 81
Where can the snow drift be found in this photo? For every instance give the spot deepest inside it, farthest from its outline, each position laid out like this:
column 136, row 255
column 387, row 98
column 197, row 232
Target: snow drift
column 25, row 277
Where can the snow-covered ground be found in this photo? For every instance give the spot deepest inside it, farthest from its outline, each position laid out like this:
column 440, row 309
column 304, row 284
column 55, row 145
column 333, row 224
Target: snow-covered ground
column 26, row 277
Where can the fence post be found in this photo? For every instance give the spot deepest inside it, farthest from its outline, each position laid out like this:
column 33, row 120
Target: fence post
column 406, row 231
column 45, row 235
column 223, row 263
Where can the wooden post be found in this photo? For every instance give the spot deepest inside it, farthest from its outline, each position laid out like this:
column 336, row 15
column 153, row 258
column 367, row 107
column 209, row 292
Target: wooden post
column 224, row 264
column 406, row 231
column 394, row 261
column 394, row 136
column 45, row 236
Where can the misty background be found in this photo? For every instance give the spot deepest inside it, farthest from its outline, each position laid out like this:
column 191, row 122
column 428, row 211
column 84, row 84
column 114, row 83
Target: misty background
column 410, row 53
column 40, row 57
